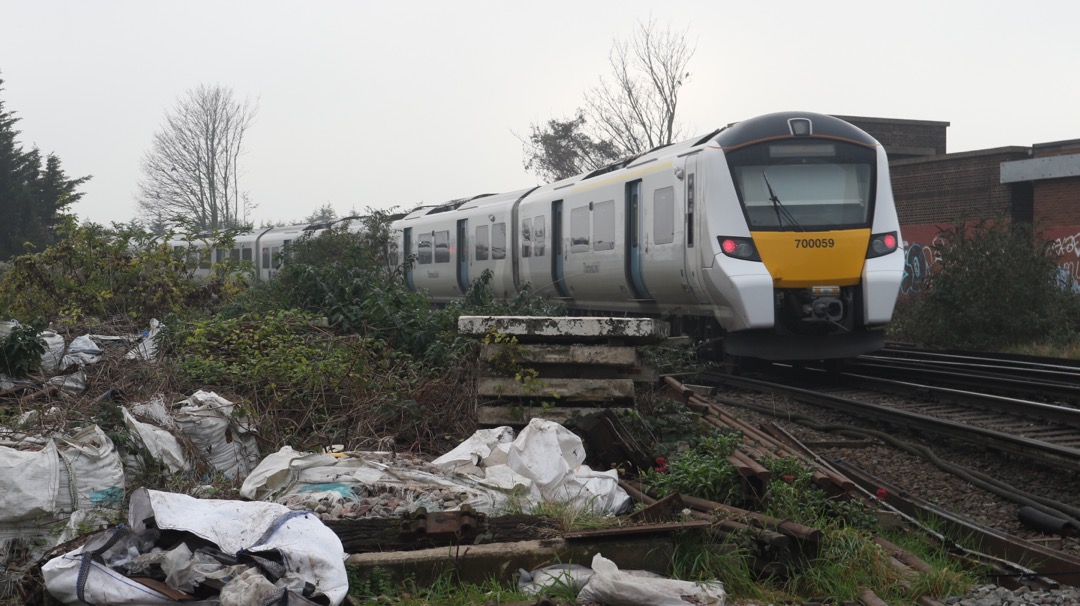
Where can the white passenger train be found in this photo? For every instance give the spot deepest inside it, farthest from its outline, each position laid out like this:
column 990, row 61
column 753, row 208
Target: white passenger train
column 778, row 233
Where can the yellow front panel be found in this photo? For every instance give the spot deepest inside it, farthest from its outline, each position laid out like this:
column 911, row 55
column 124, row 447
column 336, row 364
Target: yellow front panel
column 820, row 258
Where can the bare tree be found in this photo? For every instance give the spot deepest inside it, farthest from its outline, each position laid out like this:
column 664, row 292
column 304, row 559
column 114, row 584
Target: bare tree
column 630, row 113
column 191, row 173
column 636, row 109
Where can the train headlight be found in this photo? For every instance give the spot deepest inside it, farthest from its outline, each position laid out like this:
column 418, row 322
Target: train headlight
column 882, row 244
column 738, row 248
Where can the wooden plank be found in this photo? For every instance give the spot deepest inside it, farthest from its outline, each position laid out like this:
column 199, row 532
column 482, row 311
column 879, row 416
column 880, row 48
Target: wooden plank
column 558, row 390
column 599, row 355
column 497, row 416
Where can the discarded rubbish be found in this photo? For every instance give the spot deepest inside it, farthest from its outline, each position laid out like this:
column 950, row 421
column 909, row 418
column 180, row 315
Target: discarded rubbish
column 178, row 548
column 66, row 474
column 223, row 438
column 489, row 473
column 606, row 584
column 554, row 577
column 613, row 587
column 545, row 460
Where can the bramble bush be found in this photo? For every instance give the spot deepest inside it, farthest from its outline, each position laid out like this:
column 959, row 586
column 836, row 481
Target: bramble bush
column 353, row 278
column 94, row 273
column 996, row 286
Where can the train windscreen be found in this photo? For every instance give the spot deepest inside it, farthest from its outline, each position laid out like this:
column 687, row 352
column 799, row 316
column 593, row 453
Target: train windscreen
column 804, row 186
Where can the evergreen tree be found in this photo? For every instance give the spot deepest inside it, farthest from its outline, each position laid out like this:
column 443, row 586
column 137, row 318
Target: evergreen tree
column 33, row 197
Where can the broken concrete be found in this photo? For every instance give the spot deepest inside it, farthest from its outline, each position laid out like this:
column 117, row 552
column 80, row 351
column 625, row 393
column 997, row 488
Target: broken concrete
column 578, row 329
column 565, row 390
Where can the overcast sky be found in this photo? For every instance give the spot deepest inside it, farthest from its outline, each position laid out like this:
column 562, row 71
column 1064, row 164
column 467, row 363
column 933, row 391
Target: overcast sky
column 383, row 104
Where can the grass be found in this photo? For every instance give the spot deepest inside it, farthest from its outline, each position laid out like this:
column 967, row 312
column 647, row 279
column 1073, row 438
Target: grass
column 380, row 589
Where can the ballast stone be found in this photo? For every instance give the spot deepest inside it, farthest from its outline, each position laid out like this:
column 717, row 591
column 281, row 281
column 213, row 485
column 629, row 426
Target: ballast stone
column 635, row 330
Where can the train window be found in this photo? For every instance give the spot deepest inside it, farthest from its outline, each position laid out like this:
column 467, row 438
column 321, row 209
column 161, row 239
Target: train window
column 604, row 225
column 538, row 236
column 664, row 215
column 498, row 241
column 246, row 254
column 481, row 241
column 265, row 257
column 526, row 238
column 579, row 229
column 811, row 185
column 442, row 246
column 234, row 255
column 276, row 256
column 423, row 249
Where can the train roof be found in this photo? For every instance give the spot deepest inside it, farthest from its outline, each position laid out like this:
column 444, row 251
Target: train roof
column 789, row 124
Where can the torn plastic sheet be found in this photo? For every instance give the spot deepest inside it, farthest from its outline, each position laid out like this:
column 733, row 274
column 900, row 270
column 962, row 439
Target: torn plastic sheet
column 81, row 351
column 492, row 469
column 147, row 346
column 66, row 474
column 74, row 383
column 290, row 476
column 613, row 587
column 226, row 441
column 545, row 457
column 159, row 443
column 54, row 351
column 261, row 552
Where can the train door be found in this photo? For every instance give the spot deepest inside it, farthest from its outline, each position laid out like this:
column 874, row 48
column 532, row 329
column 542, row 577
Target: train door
column 407, row 252
column 634, row 240
column 462, row 255
column 693, row 261
column 557, row 255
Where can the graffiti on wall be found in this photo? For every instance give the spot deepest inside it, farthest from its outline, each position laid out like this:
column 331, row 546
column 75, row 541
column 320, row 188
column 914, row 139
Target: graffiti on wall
column 1067, row 249
column 919, row 259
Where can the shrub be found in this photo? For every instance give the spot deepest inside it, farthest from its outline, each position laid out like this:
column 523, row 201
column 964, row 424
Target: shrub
column 993, row 288
column 96, row 272
column 353, row 279
column 21, row 350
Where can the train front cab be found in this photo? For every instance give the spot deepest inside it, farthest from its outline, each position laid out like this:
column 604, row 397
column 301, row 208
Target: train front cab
column 817, row 268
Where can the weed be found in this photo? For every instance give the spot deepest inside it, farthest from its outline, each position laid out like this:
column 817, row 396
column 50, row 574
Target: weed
column 703, row 471
column 21, row 350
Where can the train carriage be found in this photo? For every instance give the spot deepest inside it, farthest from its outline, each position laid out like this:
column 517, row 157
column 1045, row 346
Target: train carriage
column 780, row 230
column 778, row 233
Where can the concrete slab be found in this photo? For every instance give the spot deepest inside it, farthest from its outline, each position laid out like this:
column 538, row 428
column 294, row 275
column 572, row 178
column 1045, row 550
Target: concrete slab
column 629, row 330
column 562, row 390
column 598, row 355
column 497, row 416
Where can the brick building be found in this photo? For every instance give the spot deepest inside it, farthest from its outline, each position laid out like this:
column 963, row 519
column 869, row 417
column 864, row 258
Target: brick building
column 935, row 189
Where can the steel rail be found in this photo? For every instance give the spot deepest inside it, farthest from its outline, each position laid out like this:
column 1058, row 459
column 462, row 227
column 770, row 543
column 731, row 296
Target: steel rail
column 1013, row 406
column 1038, row 450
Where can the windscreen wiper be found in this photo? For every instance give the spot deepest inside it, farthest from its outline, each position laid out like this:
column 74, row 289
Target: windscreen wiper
column 779, row 207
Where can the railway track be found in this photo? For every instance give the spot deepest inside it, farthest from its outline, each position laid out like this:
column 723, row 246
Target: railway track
column 1047, row 433
column 1049, row 379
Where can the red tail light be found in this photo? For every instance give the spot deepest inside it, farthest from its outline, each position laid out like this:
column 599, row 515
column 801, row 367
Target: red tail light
column 738, row 248
column 882, row 244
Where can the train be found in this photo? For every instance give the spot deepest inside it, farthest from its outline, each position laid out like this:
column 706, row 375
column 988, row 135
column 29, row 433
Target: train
column 776, row 236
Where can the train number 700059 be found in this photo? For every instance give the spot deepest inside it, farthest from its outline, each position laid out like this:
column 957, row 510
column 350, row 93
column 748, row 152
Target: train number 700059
column 815, row 243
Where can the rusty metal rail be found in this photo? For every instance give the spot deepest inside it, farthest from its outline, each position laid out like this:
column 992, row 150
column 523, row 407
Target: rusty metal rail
column 1047, row 568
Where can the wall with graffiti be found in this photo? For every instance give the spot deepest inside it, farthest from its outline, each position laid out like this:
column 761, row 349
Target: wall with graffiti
column 923, row 242
column 1065, row 243
column 920, row 256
